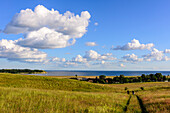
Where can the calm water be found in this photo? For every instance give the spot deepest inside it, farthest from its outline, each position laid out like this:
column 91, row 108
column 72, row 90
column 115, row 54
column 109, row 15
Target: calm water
column 97, row 73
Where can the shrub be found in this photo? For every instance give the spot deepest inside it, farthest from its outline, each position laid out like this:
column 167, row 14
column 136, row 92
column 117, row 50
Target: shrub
column 148, row 80
column 164, row 78
column 101, row 81
column 125, row 80
column 126, row 88
column 142, row 88
column 116, row 79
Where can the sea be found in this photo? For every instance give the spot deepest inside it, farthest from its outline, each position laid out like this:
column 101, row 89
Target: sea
column 97, row 73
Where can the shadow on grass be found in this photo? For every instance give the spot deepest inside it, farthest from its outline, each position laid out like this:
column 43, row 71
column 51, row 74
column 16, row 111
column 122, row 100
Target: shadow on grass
column 128, row 102
column 141, row 105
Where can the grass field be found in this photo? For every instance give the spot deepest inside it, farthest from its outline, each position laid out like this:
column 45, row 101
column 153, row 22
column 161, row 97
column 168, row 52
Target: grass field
column 156, row 101
column 25, row 93
column 137, row 86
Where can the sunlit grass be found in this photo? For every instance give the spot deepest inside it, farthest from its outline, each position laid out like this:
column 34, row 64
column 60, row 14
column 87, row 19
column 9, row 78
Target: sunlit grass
column 28, row 93
column 156, row 100
column 25, row 93
column 38, row 82
column 33, row 100
column 137, row 86
column 133, row 105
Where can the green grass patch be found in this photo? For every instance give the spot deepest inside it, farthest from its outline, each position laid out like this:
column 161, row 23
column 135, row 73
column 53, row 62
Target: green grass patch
column 28, row 93
column 40, row 101
column 39, row 82
column 156, row 100
column 134, row 106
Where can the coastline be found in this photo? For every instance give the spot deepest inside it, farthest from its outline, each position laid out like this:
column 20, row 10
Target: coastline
column 83, row 76
column 98, row 73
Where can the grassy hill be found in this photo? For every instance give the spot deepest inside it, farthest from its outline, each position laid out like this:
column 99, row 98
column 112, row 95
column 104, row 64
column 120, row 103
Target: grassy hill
column 25, row 93
column 50, row 83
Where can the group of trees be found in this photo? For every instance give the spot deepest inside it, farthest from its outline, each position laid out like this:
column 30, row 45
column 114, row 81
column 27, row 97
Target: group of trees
column 123, row 79
column 20, row 71
column 153, row 77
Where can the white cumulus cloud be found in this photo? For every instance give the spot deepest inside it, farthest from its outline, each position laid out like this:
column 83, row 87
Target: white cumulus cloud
column 48, row 27
column 46, row 38
column 167, row 51
column 156, row 55
column 132, row 58
column 93, row 55
column 11, row 51
column 134, row 45
column 79, row 59
column 90, row 56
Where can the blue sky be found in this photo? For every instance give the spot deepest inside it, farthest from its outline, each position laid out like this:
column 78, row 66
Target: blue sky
column 141, row 29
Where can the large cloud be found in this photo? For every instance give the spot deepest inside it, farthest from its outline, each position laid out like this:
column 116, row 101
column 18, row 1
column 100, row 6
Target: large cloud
column 157, row 55
column 134, row 45
column 58, row 28
column 46, row 38
column 11, row 51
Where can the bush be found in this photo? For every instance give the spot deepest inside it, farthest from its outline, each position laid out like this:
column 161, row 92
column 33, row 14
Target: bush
column 125, row 80
column 116, row 79
column 101, row 81
column 142, row 88
column 148, row 80
column 169, row 80
column 164, row 78
column 126, row 88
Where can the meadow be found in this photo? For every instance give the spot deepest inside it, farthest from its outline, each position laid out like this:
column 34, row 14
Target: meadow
column 29, row 93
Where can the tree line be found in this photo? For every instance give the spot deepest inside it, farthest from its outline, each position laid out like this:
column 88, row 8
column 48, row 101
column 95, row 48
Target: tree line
column 14, row 71
column 123, row 79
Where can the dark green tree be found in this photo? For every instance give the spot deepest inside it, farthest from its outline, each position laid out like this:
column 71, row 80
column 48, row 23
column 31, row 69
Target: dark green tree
column 164, row 78
column 143, row 77
column 102, row 81
column 139, row 79
column 159, row 76
column 126, row 80
column 116, row 79
column 102, row 77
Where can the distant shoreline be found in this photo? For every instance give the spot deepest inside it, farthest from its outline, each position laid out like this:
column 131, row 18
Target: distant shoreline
column 22, row 71
column 97, row 73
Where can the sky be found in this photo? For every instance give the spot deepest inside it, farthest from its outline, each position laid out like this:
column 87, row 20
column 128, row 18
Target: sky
column 85, row 34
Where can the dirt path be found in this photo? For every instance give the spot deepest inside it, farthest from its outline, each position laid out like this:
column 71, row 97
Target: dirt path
column 135, row 105
column 128, row 102
column 141, row 105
